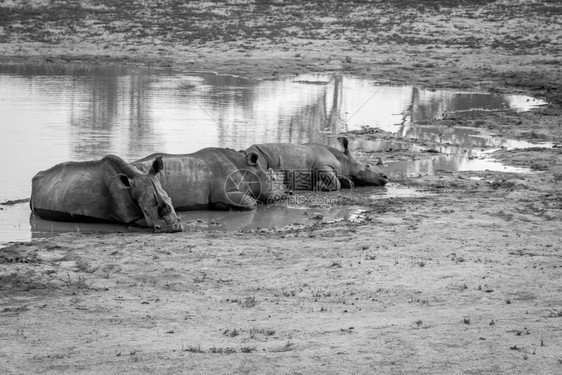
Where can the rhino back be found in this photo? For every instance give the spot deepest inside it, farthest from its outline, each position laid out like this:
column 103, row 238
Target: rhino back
column 71, row 190
column 337, row 159
column 186, row 179
column 348, row 167
column 192, row 180
column 286, row 156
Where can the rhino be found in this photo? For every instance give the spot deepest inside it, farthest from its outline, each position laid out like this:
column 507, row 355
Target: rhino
column 313, row 166
column 106, row 190
column 214, row 178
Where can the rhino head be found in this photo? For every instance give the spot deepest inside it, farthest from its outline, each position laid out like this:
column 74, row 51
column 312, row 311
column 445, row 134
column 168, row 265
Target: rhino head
column 152, row 200
column 359, row 173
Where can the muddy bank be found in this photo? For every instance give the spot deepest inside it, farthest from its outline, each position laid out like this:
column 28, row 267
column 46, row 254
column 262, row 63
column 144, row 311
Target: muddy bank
column 465, row 278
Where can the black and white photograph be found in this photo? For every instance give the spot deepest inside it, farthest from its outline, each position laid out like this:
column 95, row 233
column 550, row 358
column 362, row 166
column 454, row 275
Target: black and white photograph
column 281, row 187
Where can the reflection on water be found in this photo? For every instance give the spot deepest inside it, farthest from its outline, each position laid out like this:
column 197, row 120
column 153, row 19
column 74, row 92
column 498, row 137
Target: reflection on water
column 451, row 163
column 452, row 158
column 53, row 113
column 428, row 104
column 459, row 136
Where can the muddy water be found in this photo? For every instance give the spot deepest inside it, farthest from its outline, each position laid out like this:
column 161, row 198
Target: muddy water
column 18, row 224
column 52, row 114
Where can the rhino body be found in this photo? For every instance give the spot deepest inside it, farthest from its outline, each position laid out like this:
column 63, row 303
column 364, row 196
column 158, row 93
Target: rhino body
column 213, row 178
column 314, row 166
column 106, row 190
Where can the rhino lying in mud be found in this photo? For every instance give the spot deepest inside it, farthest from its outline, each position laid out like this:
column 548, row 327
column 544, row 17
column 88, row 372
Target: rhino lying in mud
column 106, row 190
column 313, row 166
column 215, row 178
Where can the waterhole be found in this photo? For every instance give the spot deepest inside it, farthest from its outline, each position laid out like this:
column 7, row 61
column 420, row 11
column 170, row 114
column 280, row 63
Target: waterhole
column 54, row 113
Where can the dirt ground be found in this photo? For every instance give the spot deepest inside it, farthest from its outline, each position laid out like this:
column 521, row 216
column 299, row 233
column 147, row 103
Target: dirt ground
column 465, row 279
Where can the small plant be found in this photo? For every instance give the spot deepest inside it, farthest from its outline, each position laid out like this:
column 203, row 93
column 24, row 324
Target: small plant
column 231, row 333
column 81, row 283
column 30, row 284
column 262, row 331
column 248, row 302
column 321, row 293
column 419, row 323
column 227, row 350
column 288, row 293
column 466, row 320
column 192, row 349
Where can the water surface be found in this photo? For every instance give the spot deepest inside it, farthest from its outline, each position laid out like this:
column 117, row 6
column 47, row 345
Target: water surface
column 53, row 113
column 17, row 223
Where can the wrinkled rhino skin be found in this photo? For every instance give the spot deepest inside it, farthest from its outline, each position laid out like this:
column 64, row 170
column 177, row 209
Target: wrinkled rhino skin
column 106, row 190
column 213, row 178
column 314, row 166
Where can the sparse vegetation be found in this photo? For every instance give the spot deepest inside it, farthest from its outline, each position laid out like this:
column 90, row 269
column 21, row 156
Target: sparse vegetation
column 407, row 280
column 79, row 283
column 192, row 349
column 218, row 350
column 246, row 302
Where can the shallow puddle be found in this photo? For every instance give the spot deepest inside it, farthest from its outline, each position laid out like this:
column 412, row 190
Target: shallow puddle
column 449, row 163
column 463, row 153
column 53, row 113
column 18, row 224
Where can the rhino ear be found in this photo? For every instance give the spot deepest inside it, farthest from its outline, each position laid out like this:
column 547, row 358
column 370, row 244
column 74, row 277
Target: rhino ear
column 157, row 166
column 344, row 143
column 124, row 182
column 252, row 158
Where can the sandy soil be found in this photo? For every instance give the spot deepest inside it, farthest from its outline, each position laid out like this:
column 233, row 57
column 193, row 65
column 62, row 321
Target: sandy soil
column 466, row 279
